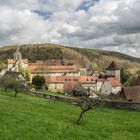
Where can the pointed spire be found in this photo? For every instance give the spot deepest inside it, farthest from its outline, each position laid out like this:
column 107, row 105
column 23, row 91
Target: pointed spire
column 17, row 48
column 113, row 66
column 17, row 54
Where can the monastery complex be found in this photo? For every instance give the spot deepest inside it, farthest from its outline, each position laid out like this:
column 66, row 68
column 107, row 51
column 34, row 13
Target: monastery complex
column 64, row 75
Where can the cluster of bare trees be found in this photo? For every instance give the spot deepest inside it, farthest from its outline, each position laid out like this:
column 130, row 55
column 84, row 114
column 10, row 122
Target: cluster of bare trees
column 9, row 82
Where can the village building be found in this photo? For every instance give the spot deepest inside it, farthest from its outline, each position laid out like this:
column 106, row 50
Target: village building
column 17, row 63
column 113, row 70
column 138, row 81
column 99, row 83
column 110, row 82
column 57, row 68
column 2, row 71
column 69, row 82
column 131, row 93
column 111, row 85
column 62, row 74
column 19, row 76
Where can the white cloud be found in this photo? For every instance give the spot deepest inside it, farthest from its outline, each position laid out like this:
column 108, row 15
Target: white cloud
column 111, row 25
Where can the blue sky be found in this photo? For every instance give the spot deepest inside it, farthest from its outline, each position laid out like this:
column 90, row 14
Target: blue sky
column 103, row 24
column 44, row 14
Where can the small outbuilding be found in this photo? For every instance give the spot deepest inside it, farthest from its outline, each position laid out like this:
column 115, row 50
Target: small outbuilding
column 18, row 75
column 131, row 93
column 2, row 71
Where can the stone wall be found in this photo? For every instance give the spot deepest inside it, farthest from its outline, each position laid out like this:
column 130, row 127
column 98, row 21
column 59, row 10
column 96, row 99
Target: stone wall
column 74, row 100
column 123, row 104
column 68, row 99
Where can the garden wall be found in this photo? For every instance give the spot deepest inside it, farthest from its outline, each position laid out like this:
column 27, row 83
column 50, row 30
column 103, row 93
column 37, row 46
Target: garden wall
column 124, row 104
column 74, row 100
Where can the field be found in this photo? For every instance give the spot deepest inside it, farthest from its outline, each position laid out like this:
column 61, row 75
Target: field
column 32, row 118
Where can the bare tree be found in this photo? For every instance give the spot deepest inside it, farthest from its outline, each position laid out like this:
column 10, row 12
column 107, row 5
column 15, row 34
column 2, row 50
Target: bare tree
column 10, row 82
column 87, row 104
column 17, row 86
column 6, row 82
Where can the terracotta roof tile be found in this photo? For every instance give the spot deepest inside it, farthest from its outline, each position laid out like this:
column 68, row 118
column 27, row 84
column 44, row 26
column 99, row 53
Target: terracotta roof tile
column 138, row 80
column 101, row 80
column 25, row 61
column 71, row 85
column 10, row 61
column 62, row 79
column 88, row 79
column 32, row 67
column 132, row 92
column 114, row 81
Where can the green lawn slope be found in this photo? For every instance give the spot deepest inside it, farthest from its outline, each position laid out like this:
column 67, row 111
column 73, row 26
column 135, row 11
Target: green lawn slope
column 32, row 118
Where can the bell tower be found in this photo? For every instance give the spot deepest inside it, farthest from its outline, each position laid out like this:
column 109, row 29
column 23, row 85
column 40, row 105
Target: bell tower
column 113, row 70
column 17, row 55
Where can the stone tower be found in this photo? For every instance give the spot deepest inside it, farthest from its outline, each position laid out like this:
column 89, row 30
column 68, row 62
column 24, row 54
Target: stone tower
column 17, row 55
column 113, row 70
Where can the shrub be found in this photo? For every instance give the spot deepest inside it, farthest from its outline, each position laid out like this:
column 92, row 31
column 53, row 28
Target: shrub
column 38, row 81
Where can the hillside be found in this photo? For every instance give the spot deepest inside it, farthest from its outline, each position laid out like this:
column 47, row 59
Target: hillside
column 32, row 118
column 98, row 58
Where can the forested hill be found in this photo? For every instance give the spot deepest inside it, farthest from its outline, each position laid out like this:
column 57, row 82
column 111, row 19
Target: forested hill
column 98, row 58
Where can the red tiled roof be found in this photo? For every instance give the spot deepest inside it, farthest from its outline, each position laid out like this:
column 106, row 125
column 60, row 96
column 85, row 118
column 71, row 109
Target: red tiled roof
column 56, row 66
column 56, row 69
column 10, row 61
column 71, row 85
column 32, row 64
column 54, row 79
column 59, row 67
column 138, row 80
column 62, row 79
column 132, row 92
column 88, row 79
column 101, row 80
column 32, row 67
column 114, row 81
column 25, row 61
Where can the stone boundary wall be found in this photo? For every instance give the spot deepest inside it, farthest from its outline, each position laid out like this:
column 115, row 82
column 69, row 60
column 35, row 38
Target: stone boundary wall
column 68, row 99
column 123, row 105
column 74, row 100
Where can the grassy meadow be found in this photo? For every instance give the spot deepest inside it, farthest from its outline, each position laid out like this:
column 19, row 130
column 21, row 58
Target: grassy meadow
column 32, row 118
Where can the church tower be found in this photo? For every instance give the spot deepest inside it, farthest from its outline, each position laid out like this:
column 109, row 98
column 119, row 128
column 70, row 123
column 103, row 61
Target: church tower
column 17, row 63
column 113, row 70
column 17, row 55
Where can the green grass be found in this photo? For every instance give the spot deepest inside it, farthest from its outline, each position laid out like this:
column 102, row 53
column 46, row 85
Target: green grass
column 32, row 118
column 54, row 92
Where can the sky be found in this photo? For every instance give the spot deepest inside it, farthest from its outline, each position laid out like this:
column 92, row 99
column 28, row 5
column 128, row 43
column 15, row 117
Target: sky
column 112, row 25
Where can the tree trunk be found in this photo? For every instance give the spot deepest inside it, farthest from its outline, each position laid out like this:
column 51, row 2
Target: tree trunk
column 15, row 93
column 5, row 89
column 81, row 115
